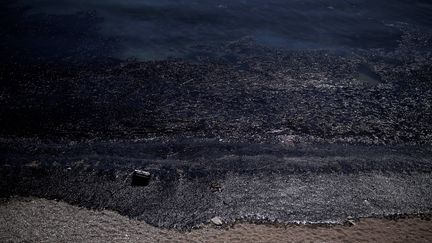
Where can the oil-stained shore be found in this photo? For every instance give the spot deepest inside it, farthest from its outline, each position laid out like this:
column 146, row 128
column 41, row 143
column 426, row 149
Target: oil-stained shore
column 253, row 133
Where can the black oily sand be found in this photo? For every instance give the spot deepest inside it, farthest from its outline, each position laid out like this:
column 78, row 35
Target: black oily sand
column 255, row 133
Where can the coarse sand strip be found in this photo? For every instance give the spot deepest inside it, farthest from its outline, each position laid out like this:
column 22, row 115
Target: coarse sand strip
column 41, row 220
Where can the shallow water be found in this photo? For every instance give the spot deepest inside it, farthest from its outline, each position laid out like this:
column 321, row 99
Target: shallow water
column 152, row 29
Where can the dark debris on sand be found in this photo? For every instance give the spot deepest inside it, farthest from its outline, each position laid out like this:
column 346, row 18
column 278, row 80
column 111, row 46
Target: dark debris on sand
column 320, row 132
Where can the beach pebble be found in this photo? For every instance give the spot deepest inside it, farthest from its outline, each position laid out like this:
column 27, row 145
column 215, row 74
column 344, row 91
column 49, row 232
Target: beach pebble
column 351, row 222
column 140, row 178
column 216, row 221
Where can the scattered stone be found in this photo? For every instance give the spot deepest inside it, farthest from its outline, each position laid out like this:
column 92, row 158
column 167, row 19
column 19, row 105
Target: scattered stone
column 351, row 222
column 217, row 221
column 140, row 178
column 215, row 187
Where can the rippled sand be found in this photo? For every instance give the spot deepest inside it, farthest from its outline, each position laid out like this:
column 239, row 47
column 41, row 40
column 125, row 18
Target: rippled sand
column 24, row 219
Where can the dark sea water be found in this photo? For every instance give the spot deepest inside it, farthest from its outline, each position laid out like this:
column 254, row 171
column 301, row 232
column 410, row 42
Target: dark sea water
column 158, row 29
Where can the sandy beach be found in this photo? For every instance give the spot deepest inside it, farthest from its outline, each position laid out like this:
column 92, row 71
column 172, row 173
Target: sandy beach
column 41, row 220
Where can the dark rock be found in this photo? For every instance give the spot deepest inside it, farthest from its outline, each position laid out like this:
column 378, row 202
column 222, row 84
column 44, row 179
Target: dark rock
column 140, row 178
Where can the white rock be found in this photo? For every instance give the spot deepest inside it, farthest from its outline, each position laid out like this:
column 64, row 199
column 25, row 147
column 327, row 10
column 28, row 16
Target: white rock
column 216, row 221
column 351, row 222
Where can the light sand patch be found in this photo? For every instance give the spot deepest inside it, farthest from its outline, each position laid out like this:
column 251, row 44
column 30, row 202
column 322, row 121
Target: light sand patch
column 30, row 219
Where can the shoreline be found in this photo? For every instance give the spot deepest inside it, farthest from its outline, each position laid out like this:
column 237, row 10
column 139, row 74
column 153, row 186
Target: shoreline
column 35, row 219
column 193, row 182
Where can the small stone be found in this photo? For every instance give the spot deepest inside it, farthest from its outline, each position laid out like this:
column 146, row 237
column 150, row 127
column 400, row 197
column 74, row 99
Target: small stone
column 216, row 221
column 140, row 178
column 351, row 222
column 215, row 187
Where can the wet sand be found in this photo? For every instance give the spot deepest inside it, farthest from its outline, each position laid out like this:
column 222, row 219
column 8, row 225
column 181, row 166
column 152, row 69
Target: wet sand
column 32, row 219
